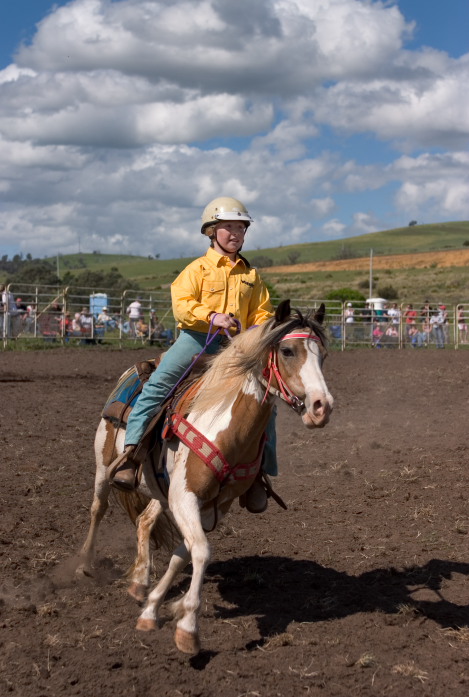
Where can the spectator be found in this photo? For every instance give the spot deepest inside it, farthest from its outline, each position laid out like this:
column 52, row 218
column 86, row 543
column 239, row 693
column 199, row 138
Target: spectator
column 417, row 339
column 426, row 332
column 462, row 324
column 394, row 314
column 349, row 315
column 391, row 336
column 30, row 321
column 134, row 311
column 437, row 322
column 76, row 324
column 377, row 335
column 105, row 320
column 366, row 319
column 426, row 311
column 87, row 328
column 11, row 319
column 410, row 317
column 66, row 325
column 157, row 330
column 141, row 328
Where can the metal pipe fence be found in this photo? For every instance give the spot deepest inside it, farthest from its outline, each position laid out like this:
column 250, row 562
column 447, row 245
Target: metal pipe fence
column 40, row 314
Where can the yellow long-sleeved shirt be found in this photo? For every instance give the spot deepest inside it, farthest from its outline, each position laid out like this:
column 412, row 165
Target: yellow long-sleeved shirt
column 210, row 284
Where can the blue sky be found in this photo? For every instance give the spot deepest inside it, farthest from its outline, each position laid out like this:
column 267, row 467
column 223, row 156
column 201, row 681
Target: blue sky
column 120, row 121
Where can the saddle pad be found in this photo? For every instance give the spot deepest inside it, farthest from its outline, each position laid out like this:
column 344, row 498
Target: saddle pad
column 128, row 388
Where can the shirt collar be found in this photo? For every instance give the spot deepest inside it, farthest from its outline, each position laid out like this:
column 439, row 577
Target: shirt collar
column 220, row 259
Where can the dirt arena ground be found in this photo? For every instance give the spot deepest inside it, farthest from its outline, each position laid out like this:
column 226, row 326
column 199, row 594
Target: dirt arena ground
column 360, row 588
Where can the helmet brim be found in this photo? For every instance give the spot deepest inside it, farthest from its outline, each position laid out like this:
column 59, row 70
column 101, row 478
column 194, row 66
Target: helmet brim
column 229, row 215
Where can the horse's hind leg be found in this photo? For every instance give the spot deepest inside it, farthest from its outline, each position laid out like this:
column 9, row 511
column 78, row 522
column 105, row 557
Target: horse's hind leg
column 148, row 620
column 104, row 445
column 98, row 509
column 140, row 570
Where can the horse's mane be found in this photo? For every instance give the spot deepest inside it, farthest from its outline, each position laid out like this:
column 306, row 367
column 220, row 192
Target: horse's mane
column 244, row 356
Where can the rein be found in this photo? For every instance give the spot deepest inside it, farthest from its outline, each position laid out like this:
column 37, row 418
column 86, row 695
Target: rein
column 272, row 370
column 208, row 341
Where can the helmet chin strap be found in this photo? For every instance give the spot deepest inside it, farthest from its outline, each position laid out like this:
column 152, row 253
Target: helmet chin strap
column 222, row 247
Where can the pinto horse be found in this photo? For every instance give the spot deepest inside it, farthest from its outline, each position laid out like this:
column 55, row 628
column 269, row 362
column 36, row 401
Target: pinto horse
column 283, row 359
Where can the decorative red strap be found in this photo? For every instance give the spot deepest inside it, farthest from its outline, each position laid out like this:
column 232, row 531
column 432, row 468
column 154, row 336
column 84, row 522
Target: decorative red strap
column 209, row 453
column 301, row 335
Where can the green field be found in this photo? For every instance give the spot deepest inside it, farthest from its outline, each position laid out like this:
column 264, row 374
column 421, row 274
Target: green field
column 451, row 284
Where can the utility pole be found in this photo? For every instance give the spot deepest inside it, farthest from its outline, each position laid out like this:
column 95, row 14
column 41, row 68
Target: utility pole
column 371, row 274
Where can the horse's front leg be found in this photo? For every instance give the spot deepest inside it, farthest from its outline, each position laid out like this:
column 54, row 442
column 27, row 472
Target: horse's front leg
column 148, row 620
column 186, row 510
column 139, row 573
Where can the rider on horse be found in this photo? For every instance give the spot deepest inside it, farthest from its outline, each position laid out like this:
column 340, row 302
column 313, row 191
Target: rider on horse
column 218, row 290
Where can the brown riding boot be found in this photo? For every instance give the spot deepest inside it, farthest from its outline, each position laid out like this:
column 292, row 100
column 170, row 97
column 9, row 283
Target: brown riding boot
column 124, row 471
column 255, row 498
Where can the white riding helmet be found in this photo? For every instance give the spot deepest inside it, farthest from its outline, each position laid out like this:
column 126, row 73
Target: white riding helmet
column 224, row 208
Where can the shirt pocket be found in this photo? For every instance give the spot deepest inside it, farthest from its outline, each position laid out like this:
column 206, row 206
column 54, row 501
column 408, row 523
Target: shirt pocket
column 213, row 294
column 246, row 288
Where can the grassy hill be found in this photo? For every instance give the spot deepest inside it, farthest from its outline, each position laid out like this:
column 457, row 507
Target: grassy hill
column 151, row 273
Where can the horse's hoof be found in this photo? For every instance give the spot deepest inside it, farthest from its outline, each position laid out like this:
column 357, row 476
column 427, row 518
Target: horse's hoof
column 144, row 625
column 83, row 570
column 137, row 591
column 187, row 642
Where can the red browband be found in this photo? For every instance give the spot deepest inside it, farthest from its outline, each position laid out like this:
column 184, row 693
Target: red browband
column 301, row 335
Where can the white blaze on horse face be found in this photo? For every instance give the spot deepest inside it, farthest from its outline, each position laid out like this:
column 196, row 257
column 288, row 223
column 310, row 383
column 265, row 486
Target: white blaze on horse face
column 318, row 400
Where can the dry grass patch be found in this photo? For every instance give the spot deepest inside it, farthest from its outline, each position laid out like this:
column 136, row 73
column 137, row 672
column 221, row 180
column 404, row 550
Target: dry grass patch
column 460, row 635
column 410, row 670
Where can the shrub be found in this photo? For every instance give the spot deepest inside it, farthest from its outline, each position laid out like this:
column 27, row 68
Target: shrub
column 345, row 252
column 388, row 292
column 344, row 294
column 261, row 261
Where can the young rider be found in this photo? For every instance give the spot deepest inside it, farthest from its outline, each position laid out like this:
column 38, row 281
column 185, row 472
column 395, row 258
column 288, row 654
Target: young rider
column 211, row 292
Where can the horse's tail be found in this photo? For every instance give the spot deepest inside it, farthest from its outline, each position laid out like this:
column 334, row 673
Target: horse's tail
column 165, row 534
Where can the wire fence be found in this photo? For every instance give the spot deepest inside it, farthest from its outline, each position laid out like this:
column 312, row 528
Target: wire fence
column 40, row 314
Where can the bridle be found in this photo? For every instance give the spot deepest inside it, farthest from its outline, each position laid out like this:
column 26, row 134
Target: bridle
column 271, row 370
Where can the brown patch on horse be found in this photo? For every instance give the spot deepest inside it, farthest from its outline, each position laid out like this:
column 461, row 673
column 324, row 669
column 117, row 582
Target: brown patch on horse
column 109, row 448
column 289, row 368
column 236, row 450
column 200, row 478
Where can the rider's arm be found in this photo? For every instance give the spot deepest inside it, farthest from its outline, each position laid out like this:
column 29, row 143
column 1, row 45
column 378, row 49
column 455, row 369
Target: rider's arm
column 260, row 307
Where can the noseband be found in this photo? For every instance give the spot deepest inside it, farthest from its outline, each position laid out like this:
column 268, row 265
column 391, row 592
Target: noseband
column 271, row 369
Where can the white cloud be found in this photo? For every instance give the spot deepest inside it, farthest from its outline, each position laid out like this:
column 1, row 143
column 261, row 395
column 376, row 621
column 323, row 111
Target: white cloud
column 122, row 119
column 333, row 228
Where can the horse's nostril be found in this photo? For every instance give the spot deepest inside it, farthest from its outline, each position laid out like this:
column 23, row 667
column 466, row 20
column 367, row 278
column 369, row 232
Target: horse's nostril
column 318, row 406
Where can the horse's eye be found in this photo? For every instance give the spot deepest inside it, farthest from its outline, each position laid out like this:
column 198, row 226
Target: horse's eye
column 286, row 352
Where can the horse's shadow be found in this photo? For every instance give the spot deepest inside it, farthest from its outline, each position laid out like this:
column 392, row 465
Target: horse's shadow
column 280, row 590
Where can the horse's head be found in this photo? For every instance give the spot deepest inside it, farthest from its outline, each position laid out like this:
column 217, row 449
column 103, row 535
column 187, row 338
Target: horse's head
column 299, row 349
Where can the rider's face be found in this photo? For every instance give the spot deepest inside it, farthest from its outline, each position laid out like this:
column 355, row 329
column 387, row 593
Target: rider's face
column 230, row 236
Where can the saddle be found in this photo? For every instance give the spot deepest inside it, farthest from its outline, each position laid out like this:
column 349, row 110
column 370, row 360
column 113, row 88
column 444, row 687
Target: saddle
column 123, row 398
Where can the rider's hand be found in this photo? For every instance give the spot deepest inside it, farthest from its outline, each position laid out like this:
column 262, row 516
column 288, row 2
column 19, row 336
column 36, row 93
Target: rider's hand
column 223, row 320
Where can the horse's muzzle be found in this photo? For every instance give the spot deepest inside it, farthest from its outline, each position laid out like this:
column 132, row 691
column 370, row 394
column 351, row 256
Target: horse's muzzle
column 317, row 415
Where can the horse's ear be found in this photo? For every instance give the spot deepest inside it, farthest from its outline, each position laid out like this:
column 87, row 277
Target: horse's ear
column 320, row 313
column 282, row 312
